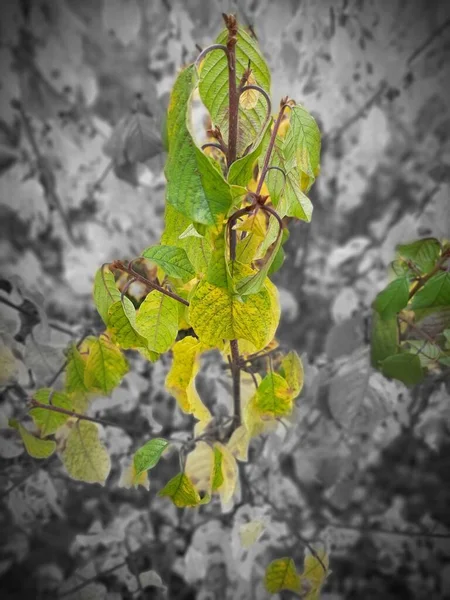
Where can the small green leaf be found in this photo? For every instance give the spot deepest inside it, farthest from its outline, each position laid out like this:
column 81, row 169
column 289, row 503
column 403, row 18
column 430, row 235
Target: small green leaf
column 75, row 372
column 393, row 298
column 181, row 491
column 35, row 447
column 172, row 260
column 84, row 456
column 105, row 292
column 50, row 421
column 105, row 366
column 217, row 479
column 436, row 292
column 281, row 574
column 384, row 338
column 149, row 454
column 422, row 253
column 157, row 321
column 404, row 367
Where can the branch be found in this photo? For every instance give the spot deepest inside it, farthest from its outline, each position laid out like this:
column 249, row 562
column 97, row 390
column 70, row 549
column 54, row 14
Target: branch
column 118, row 264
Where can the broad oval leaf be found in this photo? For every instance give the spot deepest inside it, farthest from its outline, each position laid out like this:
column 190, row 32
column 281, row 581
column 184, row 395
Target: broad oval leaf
column 105, row 366
column 393, row 298
column 172, row 260
column 84, row 456
column 157, row 321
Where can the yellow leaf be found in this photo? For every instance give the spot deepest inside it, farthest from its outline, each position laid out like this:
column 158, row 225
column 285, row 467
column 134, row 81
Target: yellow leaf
column 249, row 98
column 157, row 321
column 180, row 380
column 239, row 442
column 130, row 478
column 181, row 491
column 84, row 456
column 281, row 574
column 217, row 314
column 35, row 447
column 229, row 472
column 199, row 467
column 292, row 371
column 105, row 365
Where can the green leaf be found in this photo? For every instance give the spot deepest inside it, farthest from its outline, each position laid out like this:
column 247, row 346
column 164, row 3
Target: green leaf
column 436, row 292
column 122, row 325
column 274, row 397
column 278, row 261
column 194, row 186
column 446, row 333
column 50, row 421
column 217, row 479
column 84, row 456
column 302, row 144
column 216, row 314
column 404, row 367
column 181, row 491
column 217, row 271
column 197, row 247
column 105, row 292
column 384, row 338
column 149, row 454
column 281, row 574
column 213, row 87
column 105, row 366
column 393, row 298
column 241, row 171
column 172, row 260
column 157, row 321
column 35, row 447
column 75, row 372
column 422, row 253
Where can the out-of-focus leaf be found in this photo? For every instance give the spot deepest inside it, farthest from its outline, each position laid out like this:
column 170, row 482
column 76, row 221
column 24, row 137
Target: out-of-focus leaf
column 404, row 367
column 35, row 447
column 384, row 338
column 281, row 574
column 436, row 292
column 84, row 456
column 422, row 253
column 393, row 298
column 123, row 18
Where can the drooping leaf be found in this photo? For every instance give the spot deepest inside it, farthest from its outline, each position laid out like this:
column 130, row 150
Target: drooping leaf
column 384, row 338
column 293, row 373
column 422, row 253
column 315, row 572
column 216, row 314
column 84, row 456
column 157, row 321
column 213, row 87
column 122, row 325
column 199, row 467
column 49, row 421
column 302, row 145
column 148, row 455
column 181, row 491
column 393, row 298
column 436, row 292
column 35, row 447
column 173, row 261
column 404, row 367
column 230, row 473
column 105, row 292
column 281, row 574
column 239, row 442
column 75, row 370
column 194, row 186
column 180, row 380
column 105, row 366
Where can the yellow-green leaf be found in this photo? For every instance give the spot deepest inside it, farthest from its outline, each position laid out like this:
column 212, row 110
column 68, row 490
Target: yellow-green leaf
column 35, row 447
column 199, row 468
column 274, row 397
column 281, row 574
column 173, row 261
column 292, row 371
column 315, row 572
column 105, row 292
column 84, row 456
column 157, row 321
column 105, row 366
column 122, row 325
column 181, row 491
column 229, row 471
column 75, row 369
column 50, row 421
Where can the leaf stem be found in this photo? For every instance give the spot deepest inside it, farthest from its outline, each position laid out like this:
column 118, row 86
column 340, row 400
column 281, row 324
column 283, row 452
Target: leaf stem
column 204, row 52
column 271, row 145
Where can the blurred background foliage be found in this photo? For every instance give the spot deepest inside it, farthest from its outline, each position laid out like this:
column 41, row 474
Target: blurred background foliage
column 365, row 464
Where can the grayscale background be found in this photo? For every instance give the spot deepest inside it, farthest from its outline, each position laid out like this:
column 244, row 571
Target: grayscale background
column 361, row 467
